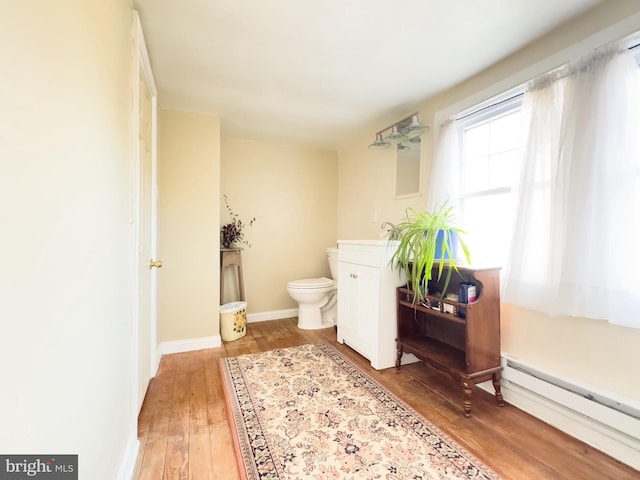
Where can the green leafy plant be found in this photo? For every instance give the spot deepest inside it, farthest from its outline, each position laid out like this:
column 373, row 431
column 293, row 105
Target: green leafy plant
column 416, row 253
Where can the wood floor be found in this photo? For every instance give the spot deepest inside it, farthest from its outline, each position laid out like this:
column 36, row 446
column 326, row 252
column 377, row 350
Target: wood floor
column 184, row 431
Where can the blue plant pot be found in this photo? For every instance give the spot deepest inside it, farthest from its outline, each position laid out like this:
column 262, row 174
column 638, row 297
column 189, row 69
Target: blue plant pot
column 453, row 247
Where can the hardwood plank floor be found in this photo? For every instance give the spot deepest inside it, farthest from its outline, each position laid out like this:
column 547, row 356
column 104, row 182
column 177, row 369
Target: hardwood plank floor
column 184, row 431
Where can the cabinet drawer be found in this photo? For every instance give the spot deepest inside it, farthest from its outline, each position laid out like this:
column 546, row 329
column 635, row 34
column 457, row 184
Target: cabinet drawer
column 371, row 255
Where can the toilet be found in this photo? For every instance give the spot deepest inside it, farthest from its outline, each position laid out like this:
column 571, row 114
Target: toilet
column 317, row 297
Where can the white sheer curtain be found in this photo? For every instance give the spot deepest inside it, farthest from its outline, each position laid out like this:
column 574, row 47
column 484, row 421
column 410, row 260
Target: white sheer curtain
column 445, row 172
column 574, row 249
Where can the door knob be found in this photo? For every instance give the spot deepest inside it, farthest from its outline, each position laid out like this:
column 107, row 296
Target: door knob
column 157, row 264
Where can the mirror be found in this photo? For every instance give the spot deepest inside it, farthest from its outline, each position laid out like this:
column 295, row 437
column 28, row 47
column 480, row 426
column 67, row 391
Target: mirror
column 407, row 172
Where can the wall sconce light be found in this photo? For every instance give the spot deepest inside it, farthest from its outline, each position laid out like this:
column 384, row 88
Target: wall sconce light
column 396, row 136
column 415, row 128
column 379, row 143
column 406, row 129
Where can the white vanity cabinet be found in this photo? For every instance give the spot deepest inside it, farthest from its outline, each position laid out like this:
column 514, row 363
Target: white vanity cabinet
column 367, row 299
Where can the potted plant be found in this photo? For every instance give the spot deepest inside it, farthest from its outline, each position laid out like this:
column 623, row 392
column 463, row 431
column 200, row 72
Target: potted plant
column 425, row 238
column 232, row 233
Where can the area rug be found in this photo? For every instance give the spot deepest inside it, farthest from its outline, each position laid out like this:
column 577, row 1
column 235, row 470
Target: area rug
column 307, row 412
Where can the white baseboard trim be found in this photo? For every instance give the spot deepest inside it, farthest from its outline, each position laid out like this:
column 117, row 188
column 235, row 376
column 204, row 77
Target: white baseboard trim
column 192, row 344
column 610, row 441
column 188, row 345
column 272, row 315
column 128, row 462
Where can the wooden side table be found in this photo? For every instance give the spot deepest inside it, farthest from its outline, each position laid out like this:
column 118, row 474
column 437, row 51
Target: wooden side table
column 231, row 257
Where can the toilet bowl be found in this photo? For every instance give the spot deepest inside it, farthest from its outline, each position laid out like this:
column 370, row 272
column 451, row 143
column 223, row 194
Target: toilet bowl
column 316, row 297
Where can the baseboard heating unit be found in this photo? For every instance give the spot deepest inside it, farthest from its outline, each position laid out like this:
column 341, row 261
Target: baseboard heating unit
column 607, row 422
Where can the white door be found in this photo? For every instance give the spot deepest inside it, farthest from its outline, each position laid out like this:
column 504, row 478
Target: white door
column 145, row 228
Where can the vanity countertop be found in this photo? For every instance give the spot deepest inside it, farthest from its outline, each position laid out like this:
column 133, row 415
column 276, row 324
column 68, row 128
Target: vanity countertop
column 372, row 242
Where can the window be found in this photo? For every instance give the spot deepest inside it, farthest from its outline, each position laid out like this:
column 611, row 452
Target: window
column 490, row 146
column 491, row 149
column 573, row 248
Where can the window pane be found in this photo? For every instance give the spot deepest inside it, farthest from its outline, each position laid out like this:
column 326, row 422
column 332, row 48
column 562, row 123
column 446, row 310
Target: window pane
column 476, row 175
column 505, row 133
column 489, row 172
column 476, row 141
column 504, row 169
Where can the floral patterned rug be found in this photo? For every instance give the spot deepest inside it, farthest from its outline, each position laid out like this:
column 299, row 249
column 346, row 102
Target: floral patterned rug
column 308, row 413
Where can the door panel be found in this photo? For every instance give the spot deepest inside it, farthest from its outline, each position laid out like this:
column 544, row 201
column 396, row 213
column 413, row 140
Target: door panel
column 145, row 208
column 145, row 230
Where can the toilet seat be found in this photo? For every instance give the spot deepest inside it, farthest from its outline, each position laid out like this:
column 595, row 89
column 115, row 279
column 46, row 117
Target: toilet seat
column 311, row 283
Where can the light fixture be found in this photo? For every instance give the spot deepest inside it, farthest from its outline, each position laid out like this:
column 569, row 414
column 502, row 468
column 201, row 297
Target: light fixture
column 379, row 143
column 396, row 136
column 409, row 129
column 402, row 147
column 415, row 128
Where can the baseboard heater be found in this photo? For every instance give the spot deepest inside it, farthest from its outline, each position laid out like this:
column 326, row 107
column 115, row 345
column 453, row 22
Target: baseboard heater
column 607, row 422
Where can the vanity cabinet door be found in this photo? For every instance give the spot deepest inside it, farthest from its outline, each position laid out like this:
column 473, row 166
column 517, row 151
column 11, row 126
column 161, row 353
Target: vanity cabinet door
column 347, row 311
column 367, row 300
column 358, row 304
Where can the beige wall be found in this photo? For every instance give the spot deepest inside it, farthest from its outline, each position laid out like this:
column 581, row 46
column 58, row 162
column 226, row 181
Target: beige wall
column 366, row 186
column 65, row 190
column 292, row 192
column 593, row 352
column 188, row 206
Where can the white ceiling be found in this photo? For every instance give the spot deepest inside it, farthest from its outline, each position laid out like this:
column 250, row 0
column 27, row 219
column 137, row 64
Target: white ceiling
column 321, row 72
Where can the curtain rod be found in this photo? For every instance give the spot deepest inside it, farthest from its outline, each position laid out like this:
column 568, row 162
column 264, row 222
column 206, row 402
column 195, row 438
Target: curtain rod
column 486, row 107
column 634, row 46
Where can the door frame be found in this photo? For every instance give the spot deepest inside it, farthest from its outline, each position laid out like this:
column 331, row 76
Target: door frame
column 142, row 67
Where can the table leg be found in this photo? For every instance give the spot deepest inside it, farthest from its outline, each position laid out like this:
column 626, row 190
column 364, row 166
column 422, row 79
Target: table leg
column 399, row 357
column 496, row 386
column 467, row 386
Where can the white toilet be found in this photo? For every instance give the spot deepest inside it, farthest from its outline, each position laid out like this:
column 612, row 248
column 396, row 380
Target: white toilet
column 317, row 297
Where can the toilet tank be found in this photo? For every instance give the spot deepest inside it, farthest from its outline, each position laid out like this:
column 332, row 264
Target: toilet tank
column 332, row 254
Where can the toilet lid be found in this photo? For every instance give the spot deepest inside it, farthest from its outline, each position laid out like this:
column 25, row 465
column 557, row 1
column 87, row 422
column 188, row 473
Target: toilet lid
column 311, row 283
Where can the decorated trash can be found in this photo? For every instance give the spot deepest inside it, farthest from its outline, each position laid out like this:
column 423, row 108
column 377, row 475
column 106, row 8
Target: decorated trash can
column 233, row 321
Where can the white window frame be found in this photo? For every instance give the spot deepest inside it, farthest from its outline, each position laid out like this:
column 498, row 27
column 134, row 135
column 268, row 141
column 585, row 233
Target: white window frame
column 489, row 110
